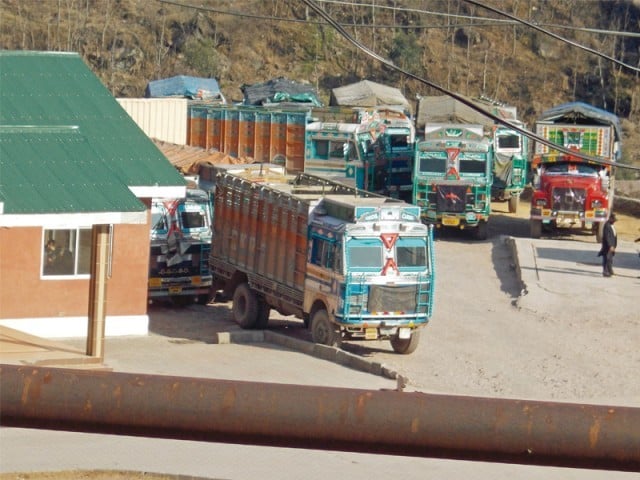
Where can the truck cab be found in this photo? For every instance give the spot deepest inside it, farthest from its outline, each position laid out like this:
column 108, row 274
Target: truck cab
column 453, row 177
column 180, row 241
column 570, row 191
column 346, row 152
column 510, row 165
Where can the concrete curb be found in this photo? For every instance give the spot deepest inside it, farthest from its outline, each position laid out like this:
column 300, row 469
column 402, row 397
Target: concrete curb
column 322, row 352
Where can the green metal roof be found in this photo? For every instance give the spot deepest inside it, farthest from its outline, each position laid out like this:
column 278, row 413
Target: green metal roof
column 52, row 94
column 55, row 170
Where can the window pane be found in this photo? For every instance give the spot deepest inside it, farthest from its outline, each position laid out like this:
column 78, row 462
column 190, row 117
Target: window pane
column 430, row 164
column 411, row 256
column 84, row 252
column 365, row 256
column 322, row 148
column 508, row 141
column 472, row 166
column 58, row 256
column 192, row 219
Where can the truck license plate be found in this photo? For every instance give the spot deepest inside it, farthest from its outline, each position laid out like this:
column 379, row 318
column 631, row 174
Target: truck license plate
column 450, row 221
column 175, row 289
column 370, row 333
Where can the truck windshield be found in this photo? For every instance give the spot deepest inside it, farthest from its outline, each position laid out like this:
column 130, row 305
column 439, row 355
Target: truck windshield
column 508, row 142
column 572, row 169
column 472, row 166
column 193, row 217
column 411, row 253
column 398, row 137
column 433, row 164
column 364, row 254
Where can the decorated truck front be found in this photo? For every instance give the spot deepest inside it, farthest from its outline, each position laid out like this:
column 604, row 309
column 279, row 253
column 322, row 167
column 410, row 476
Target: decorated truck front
column 452, row 177
column 382, row 275
column 395, row 136
column 180, row 245
column 510, row 164
column 351, row 264
column 346, row 152
column 569, row 191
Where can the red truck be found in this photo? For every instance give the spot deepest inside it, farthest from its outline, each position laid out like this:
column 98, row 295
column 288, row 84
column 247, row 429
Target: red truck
column 569, row 191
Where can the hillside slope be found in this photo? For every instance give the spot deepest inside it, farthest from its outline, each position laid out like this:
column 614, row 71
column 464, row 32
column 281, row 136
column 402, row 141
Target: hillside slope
column 451, row 43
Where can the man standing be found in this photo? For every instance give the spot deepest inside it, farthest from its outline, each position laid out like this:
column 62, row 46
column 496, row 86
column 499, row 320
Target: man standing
column 609, row 244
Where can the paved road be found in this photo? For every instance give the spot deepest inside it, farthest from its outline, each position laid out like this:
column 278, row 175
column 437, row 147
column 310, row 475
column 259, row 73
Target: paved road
column 572, row 337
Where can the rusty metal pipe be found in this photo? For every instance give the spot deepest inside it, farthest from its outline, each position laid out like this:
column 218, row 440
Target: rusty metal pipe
column 383, row 422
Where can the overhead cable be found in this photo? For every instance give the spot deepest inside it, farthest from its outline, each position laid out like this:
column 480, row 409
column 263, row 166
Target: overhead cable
column 320, row 11
column 557, row 37
column 474, row 21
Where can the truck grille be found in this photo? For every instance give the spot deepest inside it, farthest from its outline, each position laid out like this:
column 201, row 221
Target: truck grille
column 568, row 199
column 385, row 298
column 451, row 198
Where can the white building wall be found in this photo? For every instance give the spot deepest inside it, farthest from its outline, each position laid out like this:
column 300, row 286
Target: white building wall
column 163, row 119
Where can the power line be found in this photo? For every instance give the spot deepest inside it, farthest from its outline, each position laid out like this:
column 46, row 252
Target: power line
column 316, row 8
column 483, row 22
column 473, row 17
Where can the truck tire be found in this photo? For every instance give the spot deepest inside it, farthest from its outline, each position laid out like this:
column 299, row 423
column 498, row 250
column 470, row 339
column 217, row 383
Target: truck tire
column 405, row 346
column 599, row 231
column 513, row 204
column 535, row 227
column 322, row 330
column 262, row 319
column 245, row 306
column 481, row 231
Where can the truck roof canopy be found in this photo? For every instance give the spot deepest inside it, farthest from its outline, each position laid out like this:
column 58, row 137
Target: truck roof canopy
column 582, row 114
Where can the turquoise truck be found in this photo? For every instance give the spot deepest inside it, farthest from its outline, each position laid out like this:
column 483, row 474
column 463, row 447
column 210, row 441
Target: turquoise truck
column 353, row 265
column 453, row 177
column 374, row 151
column 510, row 148
column 346, row 152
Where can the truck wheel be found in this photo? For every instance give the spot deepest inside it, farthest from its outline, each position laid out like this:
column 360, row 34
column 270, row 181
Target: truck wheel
column 535, row 228
column 513, row 204
column 262, row 319
column 481, row 231
column 245, row 306
column 599, row 231
column 322, row 330
column 405, row 345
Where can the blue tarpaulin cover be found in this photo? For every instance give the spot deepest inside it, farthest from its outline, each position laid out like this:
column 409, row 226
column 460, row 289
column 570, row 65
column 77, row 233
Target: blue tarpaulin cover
column 184, row 86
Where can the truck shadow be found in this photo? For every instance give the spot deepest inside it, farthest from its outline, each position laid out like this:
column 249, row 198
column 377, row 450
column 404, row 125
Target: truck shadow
column 192, row 322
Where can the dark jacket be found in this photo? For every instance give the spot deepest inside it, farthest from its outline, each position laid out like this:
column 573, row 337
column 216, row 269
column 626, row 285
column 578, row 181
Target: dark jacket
column 609, row 238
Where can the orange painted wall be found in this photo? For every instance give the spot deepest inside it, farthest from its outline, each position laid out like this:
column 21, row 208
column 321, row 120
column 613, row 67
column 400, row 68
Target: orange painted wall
column 23, row 294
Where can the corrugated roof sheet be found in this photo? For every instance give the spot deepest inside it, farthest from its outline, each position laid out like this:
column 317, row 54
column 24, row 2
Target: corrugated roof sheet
column 58, row 89
column 187, row 158
column 55, row 170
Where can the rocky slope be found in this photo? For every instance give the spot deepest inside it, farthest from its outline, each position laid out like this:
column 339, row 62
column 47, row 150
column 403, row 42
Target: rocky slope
column 451, row 43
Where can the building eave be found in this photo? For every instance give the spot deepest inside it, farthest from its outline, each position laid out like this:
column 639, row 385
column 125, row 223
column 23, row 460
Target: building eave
column 73, row 220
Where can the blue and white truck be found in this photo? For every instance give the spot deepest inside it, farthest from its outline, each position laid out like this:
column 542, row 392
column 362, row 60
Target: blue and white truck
column 351, row 264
